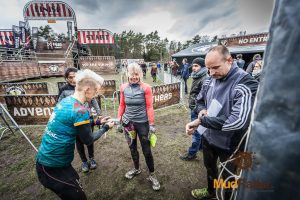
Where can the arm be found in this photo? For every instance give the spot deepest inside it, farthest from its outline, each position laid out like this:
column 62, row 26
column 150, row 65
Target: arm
column 86, row 135
column 200, row 99
column 149, row 104
column 122, row 103
column 239, row 117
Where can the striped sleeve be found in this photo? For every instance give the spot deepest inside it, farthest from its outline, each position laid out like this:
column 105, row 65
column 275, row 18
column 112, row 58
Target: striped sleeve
column 240, row 110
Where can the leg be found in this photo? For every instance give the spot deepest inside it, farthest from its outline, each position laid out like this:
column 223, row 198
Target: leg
column 185, row 86
column 142, row 130
column 80, row 149
column 133, row 150
column 63, row 181
column 91, row 150
column 231, row 167
column 210, row 162
column 196, row 138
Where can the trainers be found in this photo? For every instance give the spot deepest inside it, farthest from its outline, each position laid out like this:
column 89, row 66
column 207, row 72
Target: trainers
column 202, row 194
column 188, row 157
column 133, row 172
column 93, row 164
column 85, row 167
column 155, row 183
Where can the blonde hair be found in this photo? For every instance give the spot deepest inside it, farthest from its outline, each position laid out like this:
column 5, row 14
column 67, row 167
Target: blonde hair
column 87, row 77
column 134, row 68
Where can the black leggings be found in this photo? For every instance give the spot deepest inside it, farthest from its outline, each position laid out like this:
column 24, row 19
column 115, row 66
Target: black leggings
column 142, row 130
column 64, row 181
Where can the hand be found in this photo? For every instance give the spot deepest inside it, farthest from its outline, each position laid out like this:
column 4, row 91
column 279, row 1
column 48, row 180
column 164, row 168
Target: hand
column 190, row 127
column 152, row 129
column 110, row 124
column 104, row 119
column 202, row 113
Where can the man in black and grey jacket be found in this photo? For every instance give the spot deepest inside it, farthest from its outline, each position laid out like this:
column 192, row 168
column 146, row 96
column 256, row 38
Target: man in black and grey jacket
column 198, row 75
column 231, row 91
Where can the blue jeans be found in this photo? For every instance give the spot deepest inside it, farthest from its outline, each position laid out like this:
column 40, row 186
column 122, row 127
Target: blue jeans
column 196, row 139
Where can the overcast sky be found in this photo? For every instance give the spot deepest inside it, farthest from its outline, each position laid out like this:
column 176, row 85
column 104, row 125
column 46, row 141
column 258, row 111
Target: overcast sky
column 175, row 19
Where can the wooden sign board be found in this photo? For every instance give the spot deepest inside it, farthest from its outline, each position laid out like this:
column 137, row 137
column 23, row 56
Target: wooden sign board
column 98, row 64
column 22, row 88
column 31, row 109
column 34, row 109
column 49, row 69
column 166, row 95
column 108, row 88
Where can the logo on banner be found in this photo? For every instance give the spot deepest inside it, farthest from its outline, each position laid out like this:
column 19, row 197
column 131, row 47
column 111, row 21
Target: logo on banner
column 202, row 48
column 53, row 68
column 224, row 42
column 15, row 90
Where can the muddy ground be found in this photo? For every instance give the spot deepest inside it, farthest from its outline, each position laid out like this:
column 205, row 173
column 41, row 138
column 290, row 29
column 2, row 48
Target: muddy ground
column 18, row 179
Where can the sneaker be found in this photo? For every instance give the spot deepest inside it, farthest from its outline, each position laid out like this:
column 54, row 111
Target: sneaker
column 85, row 167
column 133, row 172
column 202, row 194
column 155, row 183
column 93, row 164
column 188, row 157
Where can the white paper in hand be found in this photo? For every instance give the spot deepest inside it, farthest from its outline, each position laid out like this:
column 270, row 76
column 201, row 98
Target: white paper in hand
column 212, row 111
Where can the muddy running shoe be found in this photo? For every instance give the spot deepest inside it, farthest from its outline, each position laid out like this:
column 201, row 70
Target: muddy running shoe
column 188, row 157
column 93, row 164
column 155, row 183
column 202, row 194
column 85, row 167
column 132, row 173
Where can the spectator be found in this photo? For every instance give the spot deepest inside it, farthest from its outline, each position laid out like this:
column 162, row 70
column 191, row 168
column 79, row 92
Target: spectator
column 257, row 70
column 250, row 67
column 240, row 62
column 159, row 66
column 144, row 69
column 153, row 71
column 230, row 122
column 185, row 74
column 199, row 74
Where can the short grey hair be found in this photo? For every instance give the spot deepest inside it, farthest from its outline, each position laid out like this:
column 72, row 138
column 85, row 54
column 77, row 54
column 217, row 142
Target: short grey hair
column 134, row 68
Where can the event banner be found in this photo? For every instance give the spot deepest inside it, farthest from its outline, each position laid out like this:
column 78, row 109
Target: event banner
column 22, row 88
column 6, row 38
column 17, row 35
column 31, row 109
column 125, row 62
column 108, row 88
column 48, row 10
column 34, row 109
column 245, row 40
column 98, row 64
column 166, row 95
column 100, row 36
column 52, row 68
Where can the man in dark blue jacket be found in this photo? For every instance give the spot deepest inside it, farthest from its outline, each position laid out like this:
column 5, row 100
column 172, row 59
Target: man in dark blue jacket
column 230, row 91
column 185, row 74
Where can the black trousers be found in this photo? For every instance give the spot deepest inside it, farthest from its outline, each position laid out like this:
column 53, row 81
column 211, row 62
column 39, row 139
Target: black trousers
column 210, row 155
column 81, row 151
column 142, row 131
column 185, row 86
column 64, row 181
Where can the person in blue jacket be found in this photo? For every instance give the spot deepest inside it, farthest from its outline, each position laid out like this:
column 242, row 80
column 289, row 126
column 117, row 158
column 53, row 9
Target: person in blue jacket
column 185, row 74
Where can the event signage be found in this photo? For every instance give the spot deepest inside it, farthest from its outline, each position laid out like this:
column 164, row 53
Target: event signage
column 98, row 64
column 31, row 109
column 22, row 88
column 245, row 40
column 107, row 89
column 166, row 95
column 6, row 38
column 100, row 36
column 48, row 10
column 17, row 34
